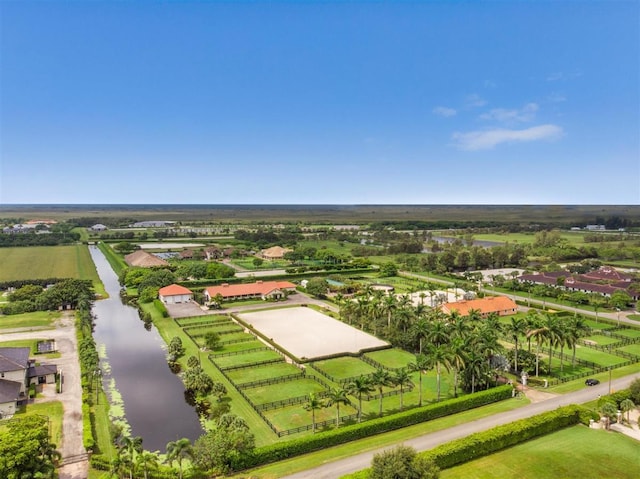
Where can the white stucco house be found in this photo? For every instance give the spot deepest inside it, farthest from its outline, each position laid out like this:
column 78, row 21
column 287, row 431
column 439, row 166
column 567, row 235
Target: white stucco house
column 175, row 294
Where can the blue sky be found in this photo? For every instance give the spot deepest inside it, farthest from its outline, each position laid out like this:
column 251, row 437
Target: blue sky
column 320, row 102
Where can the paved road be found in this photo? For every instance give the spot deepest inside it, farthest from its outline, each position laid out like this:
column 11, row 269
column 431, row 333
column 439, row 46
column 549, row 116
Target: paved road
column 428, row 441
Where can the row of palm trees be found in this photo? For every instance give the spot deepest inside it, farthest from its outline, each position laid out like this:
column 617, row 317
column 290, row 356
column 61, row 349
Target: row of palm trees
column 131, row 460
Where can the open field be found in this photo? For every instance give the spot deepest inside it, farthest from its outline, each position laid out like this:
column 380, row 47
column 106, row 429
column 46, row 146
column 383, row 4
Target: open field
column 575, row 452
column 37, row 319
column 317, row 214
column 309, row 334
column 42, row 262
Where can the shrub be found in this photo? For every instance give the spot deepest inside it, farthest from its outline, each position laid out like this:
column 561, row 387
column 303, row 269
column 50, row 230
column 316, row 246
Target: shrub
column 634, row 388
column 161, row 308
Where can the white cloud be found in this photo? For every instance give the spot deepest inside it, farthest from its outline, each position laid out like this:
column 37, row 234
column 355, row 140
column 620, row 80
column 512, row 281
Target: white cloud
column 444, row 111
column 526, row 113
column 474, row 101
column 487, row 139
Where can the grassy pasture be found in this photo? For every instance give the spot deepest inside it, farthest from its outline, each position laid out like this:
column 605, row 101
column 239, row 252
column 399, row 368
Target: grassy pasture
column 37, row 319
column 576, row 452
column 196, row 320
column 392, row 358
column 248, row 358
column 631, row 349
column 285, row 390
column 264, row 372
column 629, row 333
column 602, row 340
column 229, row 348
column 598, row 357
column 344, row 367
column 296, row 416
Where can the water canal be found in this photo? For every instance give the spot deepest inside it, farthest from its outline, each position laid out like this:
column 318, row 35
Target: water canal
column 152, row 396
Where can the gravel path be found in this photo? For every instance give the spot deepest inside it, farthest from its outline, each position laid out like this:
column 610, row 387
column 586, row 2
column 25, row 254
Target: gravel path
column 71, row 396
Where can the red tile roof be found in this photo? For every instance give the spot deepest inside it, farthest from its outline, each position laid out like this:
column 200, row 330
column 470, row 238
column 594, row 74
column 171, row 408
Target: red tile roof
column 492, row 304
column 248, row 289
column 174, row 290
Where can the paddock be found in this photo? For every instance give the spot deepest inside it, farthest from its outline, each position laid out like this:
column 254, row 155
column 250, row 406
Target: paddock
column 308, row 334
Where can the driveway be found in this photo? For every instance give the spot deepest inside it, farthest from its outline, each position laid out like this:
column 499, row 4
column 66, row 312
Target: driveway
column 71, row 396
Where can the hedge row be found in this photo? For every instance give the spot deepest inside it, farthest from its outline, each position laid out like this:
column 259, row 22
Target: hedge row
column 279, row 451
column 162, row 309
column 501, row 437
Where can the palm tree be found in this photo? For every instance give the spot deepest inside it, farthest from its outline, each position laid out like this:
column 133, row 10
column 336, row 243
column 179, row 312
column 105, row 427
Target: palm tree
column 338, row 396
column 313, row 404
column 421, row 329
column 439, row 332
column 147, row 461
column 539, row 335
column 131, row 446
column 402, row 378
column 609, row 411
column 179, row 450
column 474, row 364
column 515, row 329
column 421, row 365
column 380, row 379
column 440, row 356
column 626, row 405
column 457, row 349
column 389, row 305
column 551, row 334
column 358, row 387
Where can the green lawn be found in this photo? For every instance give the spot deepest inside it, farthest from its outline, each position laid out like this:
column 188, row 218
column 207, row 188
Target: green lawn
column 629, row 333
column 285, row 390
column 344, row 367
column 602, row 340
column 195, row 320
column 53, row 410
column 392, row 358
column 224, row 338
column 576, row 452
column 295, row 416
column 631, row 349
column 248, row 358
column 36, row 319
column 264, row 372
column 598, row 357
column 229, row 348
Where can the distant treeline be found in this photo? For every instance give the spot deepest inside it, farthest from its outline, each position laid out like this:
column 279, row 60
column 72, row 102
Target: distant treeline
column 33, row 239
column 268, row 237
column 19, row 283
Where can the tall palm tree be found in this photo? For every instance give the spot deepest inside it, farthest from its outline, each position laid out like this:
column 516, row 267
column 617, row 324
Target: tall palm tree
column 421, row 329
column 539, row 335
column 338, row 396
column 178, row 451
column 147, row 461
column 626, row 405
column 457, row 349
column 441, row 357
column 551, row 334
column 381, row 379
column 389, row 305
column 474, row 363
column 402, row 378
column 578, row 329
column 515, row 329
column 359, row 387
column 313, row 404
column 439, row 332
column 421, row 365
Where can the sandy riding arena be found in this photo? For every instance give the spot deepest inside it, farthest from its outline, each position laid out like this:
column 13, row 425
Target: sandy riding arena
column 306, row 333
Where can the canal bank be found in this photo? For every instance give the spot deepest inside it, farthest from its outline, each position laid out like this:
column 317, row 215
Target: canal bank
column 137, row 378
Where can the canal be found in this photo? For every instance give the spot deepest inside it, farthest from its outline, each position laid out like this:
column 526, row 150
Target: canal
column 153, row 397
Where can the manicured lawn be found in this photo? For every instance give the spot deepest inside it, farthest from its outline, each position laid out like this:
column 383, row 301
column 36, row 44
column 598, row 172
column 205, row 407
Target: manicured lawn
column 264, row 372
column 392, row 358
column 631, row 349
column 185, row 322
column 599, row 324
column 598, row 357
column 602, row 340
column 29, row 320
column 295, row 416
column 228, row 348
column 344, row 367
column 267, row 264
column 242, row 359
column 285, row 390
column 629, row 333
column 578, row 384
column 576, row 452
column 53, row 410
column 224, row 338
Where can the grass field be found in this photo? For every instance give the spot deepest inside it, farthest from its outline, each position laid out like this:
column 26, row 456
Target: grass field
column 344, row 367
column 42, row 262
column 285, row 390
column 631, row 349
column 392, row 358
column 37, row 319
column 576, row 452
column 629, row 333
column 602, row 340
column 275, row 370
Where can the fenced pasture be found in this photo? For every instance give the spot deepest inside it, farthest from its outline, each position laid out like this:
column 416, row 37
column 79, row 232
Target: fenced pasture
column 631, row 349
column 391, row 358
column 602, row 340
column 277, row 370
column 309, row 334
column 41, row 262
column 234, row 348
column 294, row 388
column 248, row 359
column 202, row 320
column 343, row 369
column 295, row 419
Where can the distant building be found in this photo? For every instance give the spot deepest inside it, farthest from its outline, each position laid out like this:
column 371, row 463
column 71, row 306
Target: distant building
column 259, row 289
column 98, row 227
column 595, row 228
column 175, row 294
column 142, row 259
column 152, row 224
column 500, row 305
column 275, row 252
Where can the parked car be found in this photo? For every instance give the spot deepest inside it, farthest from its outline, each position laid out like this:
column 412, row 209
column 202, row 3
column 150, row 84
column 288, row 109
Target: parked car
column 592, row 382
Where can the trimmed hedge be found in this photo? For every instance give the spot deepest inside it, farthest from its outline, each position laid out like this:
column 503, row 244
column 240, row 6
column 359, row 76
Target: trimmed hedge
column 161, row 308
column 501, row 437
column 322, row 440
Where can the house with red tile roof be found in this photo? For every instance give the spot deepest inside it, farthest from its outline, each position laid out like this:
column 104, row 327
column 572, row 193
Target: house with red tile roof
column 175, row 294
column 259, row 289
column 500, row 305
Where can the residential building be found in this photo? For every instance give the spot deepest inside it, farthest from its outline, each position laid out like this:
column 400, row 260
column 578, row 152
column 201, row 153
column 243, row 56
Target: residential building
column 175, row 294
